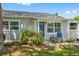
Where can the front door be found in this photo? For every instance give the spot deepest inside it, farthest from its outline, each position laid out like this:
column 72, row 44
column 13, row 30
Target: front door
column 41, row 28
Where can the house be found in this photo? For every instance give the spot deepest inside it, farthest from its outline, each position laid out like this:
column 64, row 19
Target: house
column 48, row 24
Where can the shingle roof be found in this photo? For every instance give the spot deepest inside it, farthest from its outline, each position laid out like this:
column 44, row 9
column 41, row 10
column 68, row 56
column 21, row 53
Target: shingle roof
column 10, row 13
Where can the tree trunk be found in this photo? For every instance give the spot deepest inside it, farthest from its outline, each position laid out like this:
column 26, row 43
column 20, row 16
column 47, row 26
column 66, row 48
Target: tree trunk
column 1, row 30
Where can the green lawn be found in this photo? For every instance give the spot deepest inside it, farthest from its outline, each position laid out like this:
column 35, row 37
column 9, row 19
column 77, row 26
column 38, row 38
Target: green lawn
column 41, row 50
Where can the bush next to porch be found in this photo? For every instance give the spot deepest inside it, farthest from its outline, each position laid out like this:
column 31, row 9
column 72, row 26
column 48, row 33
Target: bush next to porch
column 31, row 37
column 71, row 40
column 55, row 40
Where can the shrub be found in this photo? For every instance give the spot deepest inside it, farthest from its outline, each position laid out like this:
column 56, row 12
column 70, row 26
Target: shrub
column 71, row 40
column 62, row 40
column 55, row 40
column 31, row 37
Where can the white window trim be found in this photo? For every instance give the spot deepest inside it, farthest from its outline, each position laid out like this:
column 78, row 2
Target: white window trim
column 9, row 25
column 73, row 26
column 50, row 27
column 54, row 27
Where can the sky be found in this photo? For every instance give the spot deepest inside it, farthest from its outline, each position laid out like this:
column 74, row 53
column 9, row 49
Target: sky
column 67, row 10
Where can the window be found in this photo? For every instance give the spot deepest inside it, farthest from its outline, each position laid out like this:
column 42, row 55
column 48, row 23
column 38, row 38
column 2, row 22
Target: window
column 73, row 26
column 57, row 27
column 14, row 25
column 50, row 27
column 53, row 27
column 10, row 25
column 5, row 25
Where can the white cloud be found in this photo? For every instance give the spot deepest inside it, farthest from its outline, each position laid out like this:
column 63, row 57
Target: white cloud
column 68, row 12
column 25, row 4
column 71, row 11
column 74, row 11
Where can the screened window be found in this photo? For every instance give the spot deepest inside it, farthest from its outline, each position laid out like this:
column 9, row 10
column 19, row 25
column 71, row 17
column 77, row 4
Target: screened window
column 14, row 25
column 57, row 27
column 73, row 26
column 10, row 25
column 50, row 27
column 53, row 27
column 5, row 25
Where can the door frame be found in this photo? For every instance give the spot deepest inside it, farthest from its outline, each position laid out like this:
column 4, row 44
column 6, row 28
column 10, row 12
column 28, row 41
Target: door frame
column 43, row 28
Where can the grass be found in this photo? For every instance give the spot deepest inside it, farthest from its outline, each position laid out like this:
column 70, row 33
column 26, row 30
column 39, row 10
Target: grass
column 41, row 50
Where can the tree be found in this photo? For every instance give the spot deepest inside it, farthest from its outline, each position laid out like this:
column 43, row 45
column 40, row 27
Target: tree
column 56, row 14
column 1, row 30
column 76, row 17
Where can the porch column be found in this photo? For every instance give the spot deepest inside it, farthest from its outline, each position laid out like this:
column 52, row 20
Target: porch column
column 19, row 29
column 34, row 25
column 68, row 29
column 38, row 25
column 77, row 31
column 45, row 29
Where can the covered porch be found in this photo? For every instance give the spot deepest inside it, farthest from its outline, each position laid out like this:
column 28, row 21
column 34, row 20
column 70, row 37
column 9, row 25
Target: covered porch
column 48, row 28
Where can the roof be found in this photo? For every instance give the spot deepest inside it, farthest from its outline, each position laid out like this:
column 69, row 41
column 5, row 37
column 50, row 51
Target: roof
column 10, row 13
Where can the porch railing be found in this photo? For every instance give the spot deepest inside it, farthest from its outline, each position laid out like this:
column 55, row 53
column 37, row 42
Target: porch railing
column 11, row 36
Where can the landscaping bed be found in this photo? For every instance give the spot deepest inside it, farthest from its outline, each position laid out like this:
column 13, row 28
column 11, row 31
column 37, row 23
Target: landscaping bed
column 31, row 44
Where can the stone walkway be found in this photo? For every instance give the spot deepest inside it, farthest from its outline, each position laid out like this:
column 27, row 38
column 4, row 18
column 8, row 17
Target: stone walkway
column 64, row 43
